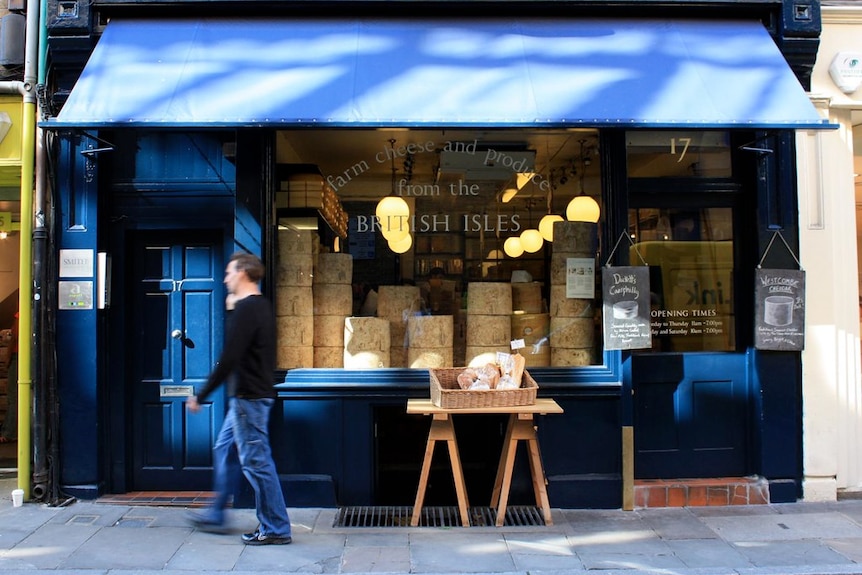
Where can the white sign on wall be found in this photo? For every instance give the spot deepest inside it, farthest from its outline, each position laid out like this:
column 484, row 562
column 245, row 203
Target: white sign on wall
column 846, row 71
column 76, row 263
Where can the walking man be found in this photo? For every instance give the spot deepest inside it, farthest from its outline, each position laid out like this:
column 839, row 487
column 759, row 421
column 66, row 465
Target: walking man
column 247, row 363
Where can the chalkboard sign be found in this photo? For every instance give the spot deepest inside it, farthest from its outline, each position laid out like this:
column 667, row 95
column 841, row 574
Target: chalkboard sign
column 779, row 310
column 626, row 307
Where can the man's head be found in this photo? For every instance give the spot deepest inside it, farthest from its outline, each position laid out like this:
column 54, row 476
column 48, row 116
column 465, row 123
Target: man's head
column 242, row 268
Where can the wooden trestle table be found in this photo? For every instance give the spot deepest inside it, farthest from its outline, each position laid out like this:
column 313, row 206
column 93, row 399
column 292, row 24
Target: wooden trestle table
column 520, row 427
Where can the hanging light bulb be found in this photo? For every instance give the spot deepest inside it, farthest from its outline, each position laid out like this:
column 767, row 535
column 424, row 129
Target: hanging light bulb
column 508, row 194
column 546, row 226
column 531, row 240
column 392, row 212
column 582, row 208
column 402, row 245
column 512, row 246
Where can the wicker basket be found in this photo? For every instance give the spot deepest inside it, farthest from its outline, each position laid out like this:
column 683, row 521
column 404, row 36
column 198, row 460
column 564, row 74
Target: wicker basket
column 446, row 393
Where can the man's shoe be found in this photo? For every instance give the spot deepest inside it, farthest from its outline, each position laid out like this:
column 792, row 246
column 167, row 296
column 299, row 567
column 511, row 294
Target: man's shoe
column 258, row 538
column 202, row 523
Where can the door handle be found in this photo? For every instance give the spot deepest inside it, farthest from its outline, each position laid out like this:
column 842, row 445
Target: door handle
column 178, row 334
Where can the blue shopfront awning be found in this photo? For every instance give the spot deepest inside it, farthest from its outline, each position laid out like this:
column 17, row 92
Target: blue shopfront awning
column 424, row 73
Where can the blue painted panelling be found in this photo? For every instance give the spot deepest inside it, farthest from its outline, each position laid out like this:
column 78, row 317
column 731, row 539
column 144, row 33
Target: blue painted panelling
column 351, row 422
column 581, row 453
column 778, row 377
column 76, row 329
column 158, row 160
column 691, row 415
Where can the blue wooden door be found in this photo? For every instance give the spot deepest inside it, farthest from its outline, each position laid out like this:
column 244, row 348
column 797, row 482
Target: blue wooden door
column 178, row 311
column 690, row 415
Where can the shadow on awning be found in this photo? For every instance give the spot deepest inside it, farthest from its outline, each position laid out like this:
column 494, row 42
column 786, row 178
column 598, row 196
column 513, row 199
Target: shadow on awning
column 423, row 73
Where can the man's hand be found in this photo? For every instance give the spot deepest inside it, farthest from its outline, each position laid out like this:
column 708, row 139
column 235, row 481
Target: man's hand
column 193, row 405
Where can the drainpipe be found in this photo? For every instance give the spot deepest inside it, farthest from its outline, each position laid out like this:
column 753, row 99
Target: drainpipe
column 25, row 279
column 42, row 403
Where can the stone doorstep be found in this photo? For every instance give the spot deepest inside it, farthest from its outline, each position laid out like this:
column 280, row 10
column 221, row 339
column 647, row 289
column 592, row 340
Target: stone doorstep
column 651, row 493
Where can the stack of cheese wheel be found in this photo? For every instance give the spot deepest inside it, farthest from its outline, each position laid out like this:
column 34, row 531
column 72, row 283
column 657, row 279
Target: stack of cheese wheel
column 489, row 322
column 396, row 304
column 527, row 297
column 366, row 342
column 294, row 301
column 530, row 323
column 333, row 302
column 534, row 329
column 572, row 325
column 429, row 341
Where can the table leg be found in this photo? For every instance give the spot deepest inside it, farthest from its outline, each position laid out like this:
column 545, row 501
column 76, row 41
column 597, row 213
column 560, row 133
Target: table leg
column 458, row 476
column 520, row 428
column 503, row 482
column 501, row 467
column 423, row 478
column 539, row 481
column 442, row 430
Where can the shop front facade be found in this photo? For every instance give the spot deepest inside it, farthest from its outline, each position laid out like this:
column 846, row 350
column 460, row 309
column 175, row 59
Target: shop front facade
column 178, row 140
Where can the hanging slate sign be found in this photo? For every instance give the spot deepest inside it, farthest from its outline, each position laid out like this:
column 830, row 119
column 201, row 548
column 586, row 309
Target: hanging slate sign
column 779, row 309
column 626, row 307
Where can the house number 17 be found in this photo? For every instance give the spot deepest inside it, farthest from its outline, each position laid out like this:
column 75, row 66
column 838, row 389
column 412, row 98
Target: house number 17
column 683, row 142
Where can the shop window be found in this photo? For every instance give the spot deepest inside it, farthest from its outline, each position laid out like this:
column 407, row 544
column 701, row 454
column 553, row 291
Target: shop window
column 454, row 294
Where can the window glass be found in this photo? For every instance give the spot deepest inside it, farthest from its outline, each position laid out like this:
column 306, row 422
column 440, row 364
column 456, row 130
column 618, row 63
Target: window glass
column 690, row 254
column 675, row 154
column 449, row 280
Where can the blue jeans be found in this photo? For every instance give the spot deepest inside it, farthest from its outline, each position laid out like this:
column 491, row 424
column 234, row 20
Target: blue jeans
column 243, row 442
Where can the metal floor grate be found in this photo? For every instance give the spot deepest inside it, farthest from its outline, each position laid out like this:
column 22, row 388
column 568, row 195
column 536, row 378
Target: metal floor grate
column 516, row 515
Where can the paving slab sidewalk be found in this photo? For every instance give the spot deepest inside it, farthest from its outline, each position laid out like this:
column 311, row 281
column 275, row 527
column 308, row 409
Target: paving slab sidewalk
column 88, row 538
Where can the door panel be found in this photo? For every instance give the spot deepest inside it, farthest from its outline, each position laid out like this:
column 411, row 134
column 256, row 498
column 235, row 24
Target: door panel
column 691, row 420
column 177, row 309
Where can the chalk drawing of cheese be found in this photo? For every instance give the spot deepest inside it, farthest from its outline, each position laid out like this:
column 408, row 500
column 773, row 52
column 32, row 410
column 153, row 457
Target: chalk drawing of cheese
column 627, row 309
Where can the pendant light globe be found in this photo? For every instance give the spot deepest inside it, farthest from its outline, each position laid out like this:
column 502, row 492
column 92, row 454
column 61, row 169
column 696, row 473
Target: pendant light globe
column 402, row 245
column 393, row 213
column 531, row 240
column 546, row 226
column 583, row 208
column 512, row 246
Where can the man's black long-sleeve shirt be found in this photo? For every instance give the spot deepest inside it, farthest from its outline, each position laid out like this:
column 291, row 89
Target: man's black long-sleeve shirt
column 249, row 351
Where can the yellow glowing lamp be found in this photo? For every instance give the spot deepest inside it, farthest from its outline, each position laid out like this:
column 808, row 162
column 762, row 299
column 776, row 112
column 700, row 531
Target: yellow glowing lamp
column 531, row 240
column 402, row 245
column 512, row 246
column 508, row 194
column 393, row 213
column 546, row 226
column 583, row 208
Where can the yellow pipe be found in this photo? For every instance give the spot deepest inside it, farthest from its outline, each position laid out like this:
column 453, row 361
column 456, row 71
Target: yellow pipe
column 25, row 295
